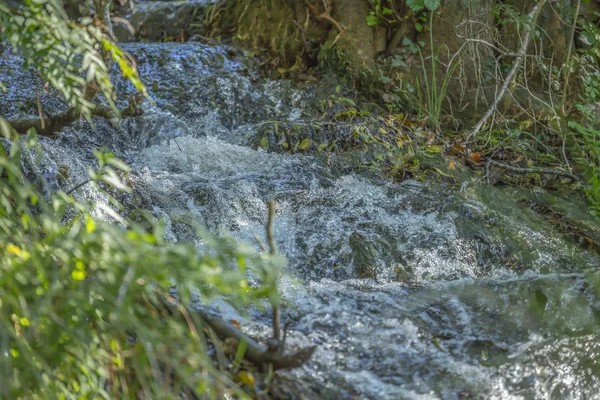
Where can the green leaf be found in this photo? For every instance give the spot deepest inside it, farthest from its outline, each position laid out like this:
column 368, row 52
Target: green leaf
column 6, row 130
column 111, row 178
column 415, row 5
column 117, row 163
column 305, row 144
column 419, row 27
column 432, row 4
column 435, row 149
column 398, row 62
column 264, row 143
column 372, row 19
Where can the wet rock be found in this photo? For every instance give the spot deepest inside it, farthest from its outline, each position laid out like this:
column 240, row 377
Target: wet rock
column 364, row 255
column 157, row 21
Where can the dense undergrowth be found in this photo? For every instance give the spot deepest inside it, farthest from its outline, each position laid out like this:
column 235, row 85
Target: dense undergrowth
column 533, row 120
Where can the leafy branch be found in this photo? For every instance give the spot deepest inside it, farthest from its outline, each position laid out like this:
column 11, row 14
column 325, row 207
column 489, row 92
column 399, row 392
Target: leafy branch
column 69, row 56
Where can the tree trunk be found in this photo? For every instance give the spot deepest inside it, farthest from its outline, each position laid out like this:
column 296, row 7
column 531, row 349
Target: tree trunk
column 355, row 47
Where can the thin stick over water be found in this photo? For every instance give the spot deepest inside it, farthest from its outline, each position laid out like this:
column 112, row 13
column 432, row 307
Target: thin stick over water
column 273, row 250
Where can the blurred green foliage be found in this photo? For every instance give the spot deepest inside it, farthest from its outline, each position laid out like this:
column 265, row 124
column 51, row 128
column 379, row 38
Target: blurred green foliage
column 71, row 56
column 82, row 301
column 584, row 119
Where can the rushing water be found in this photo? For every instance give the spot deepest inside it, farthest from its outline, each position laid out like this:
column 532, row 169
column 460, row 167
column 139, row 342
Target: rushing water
column 476, row 295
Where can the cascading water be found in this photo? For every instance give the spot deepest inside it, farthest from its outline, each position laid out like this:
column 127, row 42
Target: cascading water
column 475, row 294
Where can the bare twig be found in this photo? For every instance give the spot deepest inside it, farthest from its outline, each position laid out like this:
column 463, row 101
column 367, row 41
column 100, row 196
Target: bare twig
column 533, row 170
column 533, row 16
column 78, row 186
column 305, row 43
column 40, row 110
column 175, row 140
column 125, row 23
column 50, row 126
column 260, row 242
column 563, row 101
column 502, row 53
column 567, row 63
column 273, row 250
column 269, row 228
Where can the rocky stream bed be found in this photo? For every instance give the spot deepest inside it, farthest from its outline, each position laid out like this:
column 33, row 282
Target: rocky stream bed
column 475, row 294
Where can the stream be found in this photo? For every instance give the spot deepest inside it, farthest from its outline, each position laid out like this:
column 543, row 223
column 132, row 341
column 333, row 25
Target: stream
column 476, row 295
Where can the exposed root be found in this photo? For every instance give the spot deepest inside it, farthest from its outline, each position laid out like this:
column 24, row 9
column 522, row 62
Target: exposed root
column 325, row 16
column 305, row 43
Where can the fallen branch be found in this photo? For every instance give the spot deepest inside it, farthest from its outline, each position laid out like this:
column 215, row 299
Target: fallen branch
column 50, row 126
column 522, row 170
column 533, row 16
column 273, row 353
column 255, row 352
